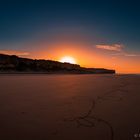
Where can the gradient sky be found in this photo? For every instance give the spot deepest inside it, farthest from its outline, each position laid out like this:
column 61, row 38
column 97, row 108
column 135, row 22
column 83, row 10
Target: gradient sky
column 96, row 33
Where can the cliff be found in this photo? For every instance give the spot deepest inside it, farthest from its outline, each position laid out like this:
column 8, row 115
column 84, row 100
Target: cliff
column 12, row 63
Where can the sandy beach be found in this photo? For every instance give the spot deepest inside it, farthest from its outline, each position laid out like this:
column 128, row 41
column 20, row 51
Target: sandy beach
column 69, row 107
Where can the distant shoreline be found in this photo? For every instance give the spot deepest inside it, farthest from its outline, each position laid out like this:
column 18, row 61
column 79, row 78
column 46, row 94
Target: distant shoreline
column 61, row 73
column 66, row 73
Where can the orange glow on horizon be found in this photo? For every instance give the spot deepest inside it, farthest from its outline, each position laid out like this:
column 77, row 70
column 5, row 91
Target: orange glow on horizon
column 86, row 56
column 68, row 59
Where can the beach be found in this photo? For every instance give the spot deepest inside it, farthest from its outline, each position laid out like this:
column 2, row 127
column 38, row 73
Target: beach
column 69, row 107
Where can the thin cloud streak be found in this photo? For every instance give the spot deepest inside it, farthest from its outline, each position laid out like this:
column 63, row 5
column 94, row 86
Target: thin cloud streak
column 126, row 54
column 119, row 49
column 14, row 52
column 114, row 47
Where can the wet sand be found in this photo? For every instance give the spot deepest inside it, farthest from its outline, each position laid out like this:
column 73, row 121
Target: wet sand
column 69, row 107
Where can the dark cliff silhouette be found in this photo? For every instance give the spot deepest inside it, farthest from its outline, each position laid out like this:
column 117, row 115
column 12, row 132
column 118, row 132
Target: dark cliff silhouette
column 13, row 63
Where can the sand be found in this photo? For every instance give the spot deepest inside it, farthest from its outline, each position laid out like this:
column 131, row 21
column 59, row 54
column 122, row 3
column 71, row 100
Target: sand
column 69, row 107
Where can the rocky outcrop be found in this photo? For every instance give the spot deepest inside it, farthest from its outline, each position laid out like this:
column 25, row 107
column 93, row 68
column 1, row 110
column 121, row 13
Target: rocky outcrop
column 12, row 63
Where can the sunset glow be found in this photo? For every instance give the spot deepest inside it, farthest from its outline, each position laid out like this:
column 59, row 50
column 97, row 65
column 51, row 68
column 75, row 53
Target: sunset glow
column 68, row 59
column 112, row 56
column 74, row 32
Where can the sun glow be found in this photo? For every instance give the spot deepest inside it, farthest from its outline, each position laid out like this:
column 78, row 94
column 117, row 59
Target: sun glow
column 68, row 59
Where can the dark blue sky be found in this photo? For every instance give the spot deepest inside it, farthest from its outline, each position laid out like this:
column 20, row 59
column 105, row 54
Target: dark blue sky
column 101, row 22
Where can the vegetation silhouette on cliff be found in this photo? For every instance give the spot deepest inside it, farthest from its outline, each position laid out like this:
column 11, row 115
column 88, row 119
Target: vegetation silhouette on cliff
column 13, row 63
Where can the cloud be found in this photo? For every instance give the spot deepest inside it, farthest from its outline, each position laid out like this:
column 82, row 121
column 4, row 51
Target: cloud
column 131, row 55
column 14, row 52
column 114, row 47
column 126, row 54
column 119, row 49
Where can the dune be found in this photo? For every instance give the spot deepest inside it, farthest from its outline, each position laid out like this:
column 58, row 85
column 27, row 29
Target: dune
column 69, row 107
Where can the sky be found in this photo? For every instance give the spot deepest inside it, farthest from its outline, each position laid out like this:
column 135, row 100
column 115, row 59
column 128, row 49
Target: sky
column 96, row 33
